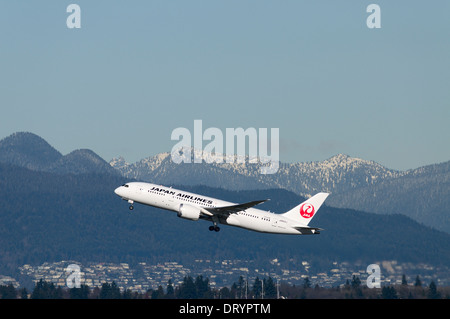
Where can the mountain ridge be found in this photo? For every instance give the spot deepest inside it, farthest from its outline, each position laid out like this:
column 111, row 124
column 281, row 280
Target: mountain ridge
column 422, row 193
column 29, row 150
column 148, row 167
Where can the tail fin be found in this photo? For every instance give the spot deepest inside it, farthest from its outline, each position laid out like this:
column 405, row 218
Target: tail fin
column 304, row 212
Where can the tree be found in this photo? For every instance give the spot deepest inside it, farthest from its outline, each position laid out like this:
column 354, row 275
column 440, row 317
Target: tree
column 356, row 282
column 187, row 289
column 79, row 293
column 109, row 291
column 356, row 287
column 45, row 290
column 225, row 293
column 432, row 291
column 240, row 287
column 270, row 291
column 257, row 288
column 170, row 292
column 23, row 293
column 404, row 282
column 105, row 291
column 158, row 293
column 347, row 285
column 418, row 282
column 306, row 283
column 202, row 287
column 8, row 292
column 388, row 292
column 128, row 294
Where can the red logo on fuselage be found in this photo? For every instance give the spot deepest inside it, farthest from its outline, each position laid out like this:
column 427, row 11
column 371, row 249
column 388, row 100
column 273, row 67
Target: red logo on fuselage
column 307, row 210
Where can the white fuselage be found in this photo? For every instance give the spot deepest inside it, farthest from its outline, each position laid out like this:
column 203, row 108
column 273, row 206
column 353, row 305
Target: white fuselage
column 171, row 199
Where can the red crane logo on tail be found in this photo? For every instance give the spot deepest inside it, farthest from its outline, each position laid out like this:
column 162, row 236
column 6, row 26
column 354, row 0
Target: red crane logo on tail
column 307, row 210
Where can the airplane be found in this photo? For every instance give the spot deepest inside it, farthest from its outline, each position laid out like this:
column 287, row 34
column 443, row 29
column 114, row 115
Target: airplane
column 194, row 207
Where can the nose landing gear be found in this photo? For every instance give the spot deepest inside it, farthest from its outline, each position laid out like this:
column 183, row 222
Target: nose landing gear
column 131, row 204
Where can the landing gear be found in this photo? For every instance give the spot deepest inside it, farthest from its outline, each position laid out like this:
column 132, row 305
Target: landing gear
column 131, row 204
column 215, row 228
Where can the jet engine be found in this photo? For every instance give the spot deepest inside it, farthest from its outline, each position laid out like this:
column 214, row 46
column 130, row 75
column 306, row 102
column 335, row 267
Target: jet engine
column 188, row 212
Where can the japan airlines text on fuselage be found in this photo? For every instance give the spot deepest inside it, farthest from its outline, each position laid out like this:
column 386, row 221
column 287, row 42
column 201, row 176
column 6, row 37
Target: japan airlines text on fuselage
column 194, row 207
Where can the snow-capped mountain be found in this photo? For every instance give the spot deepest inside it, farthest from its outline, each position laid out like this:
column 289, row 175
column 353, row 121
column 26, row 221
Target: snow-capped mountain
column 336, row 174
column 422, row 194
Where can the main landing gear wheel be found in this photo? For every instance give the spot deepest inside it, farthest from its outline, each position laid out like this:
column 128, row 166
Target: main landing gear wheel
column 215, row 228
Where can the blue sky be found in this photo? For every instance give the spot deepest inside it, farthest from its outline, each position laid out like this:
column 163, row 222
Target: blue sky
column 135, row 71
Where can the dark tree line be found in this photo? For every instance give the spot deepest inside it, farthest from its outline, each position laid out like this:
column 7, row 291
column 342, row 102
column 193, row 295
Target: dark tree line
column 200, row 288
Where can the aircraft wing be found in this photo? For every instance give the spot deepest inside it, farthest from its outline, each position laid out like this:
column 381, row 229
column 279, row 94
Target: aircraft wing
column 225, row 211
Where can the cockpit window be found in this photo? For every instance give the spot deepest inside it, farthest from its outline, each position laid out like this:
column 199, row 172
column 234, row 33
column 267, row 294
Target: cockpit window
column 125, row 185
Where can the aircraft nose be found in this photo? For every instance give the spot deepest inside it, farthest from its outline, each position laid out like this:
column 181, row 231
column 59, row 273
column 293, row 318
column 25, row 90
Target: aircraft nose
column 118, row 190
